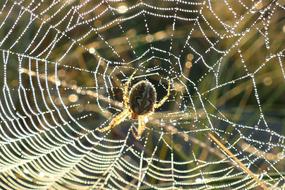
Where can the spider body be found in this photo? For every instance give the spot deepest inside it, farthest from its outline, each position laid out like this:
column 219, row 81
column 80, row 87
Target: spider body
column 139, row 103
column 142, row 99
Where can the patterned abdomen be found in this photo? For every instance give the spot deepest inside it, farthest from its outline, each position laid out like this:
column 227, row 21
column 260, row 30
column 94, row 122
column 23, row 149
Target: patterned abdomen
column 142, row 98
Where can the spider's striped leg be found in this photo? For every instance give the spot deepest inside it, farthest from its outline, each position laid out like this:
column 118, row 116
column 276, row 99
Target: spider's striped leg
column 163, row 100
column 126, row 89
column 115, row 121
column 141, row 127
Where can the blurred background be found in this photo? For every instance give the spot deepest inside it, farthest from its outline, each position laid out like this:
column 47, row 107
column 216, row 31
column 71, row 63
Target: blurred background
column 63, row 67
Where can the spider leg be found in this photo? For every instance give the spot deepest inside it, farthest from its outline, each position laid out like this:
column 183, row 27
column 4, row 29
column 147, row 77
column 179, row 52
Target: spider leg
column 126, row 88
column 141, row 127
column 115, row 121
column 134, row 133
column 163, row 100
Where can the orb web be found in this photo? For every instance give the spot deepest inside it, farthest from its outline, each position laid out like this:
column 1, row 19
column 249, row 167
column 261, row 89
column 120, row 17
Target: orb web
column 64, row 64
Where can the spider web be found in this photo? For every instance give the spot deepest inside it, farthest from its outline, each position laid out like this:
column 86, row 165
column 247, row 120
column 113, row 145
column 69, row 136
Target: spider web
column 63, row 67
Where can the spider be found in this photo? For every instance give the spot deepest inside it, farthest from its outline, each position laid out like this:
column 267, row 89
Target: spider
column 139, row 103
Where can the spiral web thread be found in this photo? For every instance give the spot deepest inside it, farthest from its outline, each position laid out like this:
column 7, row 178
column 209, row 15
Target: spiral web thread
column 63, row 67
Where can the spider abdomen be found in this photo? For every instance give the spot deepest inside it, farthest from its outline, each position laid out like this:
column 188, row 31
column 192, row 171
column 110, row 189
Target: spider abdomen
column 142, row 98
